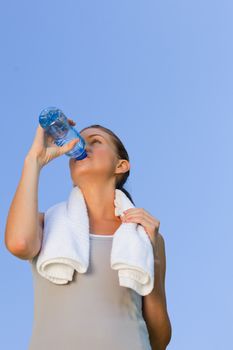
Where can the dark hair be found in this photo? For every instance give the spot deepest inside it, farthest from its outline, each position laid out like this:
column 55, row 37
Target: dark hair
column 121, row 154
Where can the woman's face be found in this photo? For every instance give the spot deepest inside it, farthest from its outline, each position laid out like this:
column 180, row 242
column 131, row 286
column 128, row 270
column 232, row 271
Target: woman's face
column 101, row 160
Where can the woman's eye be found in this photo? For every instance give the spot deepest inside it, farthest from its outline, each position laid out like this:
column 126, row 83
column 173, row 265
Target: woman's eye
column 94, row 140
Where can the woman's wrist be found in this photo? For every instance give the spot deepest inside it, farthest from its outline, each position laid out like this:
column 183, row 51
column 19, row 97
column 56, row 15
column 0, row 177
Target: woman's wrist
column 32, row 159
column 154, row 242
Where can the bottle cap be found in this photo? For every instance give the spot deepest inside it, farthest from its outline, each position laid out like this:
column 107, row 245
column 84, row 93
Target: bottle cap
column 82, row 156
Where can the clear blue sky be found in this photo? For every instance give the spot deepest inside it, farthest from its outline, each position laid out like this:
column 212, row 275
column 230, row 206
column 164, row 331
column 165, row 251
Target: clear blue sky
column 159, row 74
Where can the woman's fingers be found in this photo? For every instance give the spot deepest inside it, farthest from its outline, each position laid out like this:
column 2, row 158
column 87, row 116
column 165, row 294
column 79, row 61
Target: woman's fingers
column 71, row 121
column 68, row 146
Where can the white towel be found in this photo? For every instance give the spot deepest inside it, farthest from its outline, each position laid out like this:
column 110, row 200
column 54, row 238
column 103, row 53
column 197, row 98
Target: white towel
column 66, row 243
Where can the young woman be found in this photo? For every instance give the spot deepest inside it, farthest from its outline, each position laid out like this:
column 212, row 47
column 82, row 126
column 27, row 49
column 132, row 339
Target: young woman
column 93, row 311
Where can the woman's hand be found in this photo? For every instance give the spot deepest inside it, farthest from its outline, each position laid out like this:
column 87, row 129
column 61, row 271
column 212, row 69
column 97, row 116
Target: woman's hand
column 44, row 149
column 142, row 217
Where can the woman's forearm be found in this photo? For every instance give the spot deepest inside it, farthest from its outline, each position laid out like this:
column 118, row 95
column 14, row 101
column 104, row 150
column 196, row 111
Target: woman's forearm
column 22, row 220
column 156, row 315
column 154, row 304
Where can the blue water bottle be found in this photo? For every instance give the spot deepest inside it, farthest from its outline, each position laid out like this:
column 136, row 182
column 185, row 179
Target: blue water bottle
column 56, row 124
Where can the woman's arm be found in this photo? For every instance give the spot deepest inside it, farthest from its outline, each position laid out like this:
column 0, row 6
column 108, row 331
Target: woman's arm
column 22, row 233
column 154, row 305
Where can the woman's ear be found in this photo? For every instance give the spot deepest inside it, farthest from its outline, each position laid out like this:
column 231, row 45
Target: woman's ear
column 124, row 166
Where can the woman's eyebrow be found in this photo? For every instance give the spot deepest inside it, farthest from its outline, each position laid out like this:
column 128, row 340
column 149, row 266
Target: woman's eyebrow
column 95, row 135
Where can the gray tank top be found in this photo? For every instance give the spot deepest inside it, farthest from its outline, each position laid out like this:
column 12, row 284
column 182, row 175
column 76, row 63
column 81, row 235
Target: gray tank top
column 91, row 312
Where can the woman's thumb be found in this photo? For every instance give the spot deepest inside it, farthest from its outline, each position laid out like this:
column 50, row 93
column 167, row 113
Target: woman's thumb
column 69, row 145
